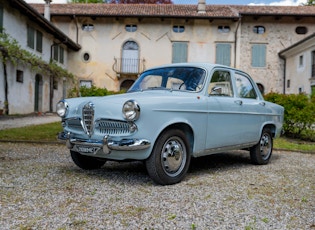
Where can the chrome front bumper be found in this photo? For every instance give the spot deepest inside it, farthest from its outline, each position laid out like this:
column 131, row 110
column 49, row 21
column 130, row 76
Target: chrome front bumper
column 106, row 144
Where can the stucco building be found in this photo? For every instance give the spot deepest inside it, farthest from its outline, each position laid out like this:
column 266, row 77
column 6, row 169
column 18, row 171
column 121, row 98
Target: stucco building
column 23, row 88
column 300, row 66
column 119, row 41
column 109, row 45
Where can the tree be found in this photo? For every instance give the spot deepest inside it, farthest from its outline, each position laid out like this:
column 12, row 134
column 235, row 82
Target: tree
column 309, row 3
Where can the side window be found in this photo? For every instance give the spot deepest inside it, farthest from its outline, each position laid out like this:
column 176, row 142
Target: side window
column 220, row 84
column 244, row 87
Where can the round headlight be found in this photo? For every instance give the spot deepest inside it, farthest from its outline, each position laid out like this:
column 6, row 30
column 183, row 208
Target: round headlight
column 131, row 110
column 61, row 108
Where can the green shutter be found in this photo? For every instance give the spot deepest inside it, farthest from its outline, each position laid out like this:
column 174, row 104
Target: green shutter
column 30, row 37
column 1, row 19
column 223, row 54
column 61, row 55
column 39, row 41
column 259, row 55
column 179, row 52
column 56, row 52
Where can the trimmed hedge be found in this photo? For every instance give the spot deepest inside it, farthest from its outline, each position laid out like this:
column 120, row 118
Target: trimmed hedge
column 299, row 114
column 92, row 91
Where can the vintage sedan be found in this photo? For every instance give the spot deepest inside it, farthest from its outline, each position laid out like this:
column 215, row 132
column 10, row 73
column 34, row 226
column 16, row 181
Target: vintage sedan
column 169, row 115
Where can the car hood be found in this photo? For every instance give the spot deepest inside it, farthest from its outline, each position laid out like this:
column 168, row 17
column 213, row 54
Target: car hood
column 111, row 106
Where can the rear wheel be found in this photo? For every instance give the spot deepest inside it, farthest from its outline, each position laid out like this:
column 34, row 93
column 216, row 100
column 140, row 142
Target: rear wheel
column 260, row 153
column 86, row 162
column 170, row 158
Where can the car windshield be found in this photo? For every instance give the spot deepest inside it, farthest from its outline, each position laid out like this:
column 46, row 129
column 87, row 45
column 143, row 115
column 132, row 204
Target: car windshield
column 171, row 78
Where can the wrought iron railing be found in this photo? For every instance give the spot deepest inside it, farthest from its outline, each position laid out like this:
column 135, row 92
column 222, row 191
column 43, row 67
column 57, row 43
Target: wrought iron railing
column 128, row 65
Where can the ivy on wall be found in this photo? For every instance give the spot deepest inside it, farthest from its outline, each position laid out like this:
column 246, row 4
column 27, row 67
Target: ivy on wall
column 10, row 50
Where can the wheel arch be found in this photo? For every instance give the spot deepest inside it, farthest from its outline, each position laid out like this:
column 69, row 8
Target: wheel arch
column 189, row 133
column 272, row 128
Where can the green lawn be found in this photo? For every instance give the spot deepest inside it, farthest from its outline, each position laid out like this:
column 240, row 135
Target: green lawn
column 48, row 132
column 45, row 132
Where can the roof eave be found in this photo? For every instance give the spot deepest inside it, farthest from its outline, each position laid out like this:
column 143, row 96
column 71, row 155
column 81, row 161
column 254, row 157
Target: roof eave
column 44, row 23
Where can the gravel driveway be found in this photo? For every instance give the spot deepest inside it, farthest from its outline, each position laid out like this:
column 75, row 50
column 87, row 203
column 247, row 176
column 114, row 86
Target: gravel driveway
column 41, row 188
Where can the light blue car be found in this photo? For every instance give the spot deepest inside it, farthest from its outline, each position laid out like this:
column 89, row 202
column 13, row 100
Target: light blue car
column 170, row 114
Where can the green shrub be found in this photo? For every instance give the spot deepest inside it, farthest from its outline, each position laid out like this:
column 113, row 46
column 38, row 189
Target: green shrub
column 299, row 114
column 91, row 92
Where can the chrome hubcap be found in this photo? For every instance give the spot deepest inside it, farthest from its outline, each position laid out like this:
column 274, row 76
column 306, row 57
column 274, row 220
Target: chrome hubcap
column 173, row 156
column 265, row 146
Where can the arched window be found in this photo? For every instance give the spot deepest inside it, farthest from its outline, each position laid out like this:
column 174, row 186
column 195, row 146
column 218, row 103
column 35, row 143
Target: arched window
column 130, row 57
column 259, row 30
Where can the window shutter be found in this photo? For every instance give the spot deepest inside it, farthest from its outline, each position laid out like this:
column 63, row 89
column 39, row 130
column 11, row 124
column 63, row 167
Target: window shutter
column 259, row 55
column 39, row 41
column 1, row 19
column 179, row 52
column 30, row 37
column 223, row 54
column 61, row 55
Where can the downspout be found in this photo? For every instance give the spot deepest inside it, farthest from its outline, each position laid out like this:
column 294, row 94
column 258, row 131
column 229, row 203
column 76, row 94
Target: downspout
column 236, row 40
column 284, row 71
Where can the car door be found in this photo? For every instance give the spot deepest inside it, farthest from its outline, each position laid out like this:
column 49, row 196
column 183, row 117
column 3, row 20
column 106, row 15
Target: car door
column 253, row 107
column 224, row 111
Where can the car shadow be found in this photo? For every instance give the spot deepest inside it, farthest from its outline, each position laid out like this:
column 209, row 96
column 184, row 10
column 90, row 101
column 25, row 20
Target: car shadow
column 135, row 173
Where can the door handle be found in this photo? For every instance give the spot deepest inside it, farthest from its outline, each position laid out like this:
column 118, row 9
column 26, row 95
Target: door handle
column 262, row 103
column 239, row 102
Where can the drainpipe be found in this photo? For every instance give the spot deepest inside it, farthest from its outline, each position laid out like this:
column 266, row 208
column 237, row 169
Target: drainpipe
column 201, row 7
column 236, row 41
column 284, row 71
column 47, row 9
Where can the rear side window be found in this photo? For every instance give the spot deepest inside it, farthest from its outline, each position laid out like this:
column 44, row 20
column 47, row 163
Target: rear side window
column 244, row 87
column 220, row 84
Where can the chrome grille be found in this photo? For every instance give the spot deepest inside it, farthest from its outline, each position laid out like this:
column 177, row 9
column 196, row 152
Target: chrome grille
column 88, row 118
column 112, row 127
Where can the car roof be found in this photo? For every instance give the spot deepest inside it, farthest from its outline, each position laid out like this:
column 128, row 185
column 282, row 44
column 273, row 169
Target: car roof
column 204, row 65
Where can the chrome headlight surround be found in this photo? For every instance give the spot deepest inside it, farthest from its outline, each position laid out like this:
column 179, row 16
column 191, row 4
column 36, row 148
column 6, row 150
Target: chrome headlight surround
column 131, row 110
column 62, row 108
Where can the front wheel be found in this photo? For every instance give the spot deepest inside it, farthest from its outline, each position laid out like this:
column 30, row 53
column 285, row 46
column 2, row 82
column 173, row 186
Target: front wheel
column 260, row 153
column 170, row 158
column 86, row 162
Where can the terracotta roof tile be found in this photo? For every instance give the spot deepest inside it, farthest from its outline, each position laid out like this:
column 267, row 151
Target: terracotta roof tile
column 183, row 11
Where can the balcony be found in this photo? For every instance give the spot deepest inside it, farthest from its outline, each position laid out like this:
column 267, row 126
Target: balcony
column 128, row 66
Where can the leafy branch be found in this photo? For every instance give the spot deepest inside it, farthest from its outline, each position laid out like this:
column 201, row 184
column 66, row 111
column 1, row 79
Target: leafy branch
column 10, row 50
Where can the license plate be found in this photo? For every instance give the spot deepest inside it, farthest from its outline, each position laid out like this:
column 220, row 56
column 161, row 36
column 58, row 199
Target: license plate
column 87, row 149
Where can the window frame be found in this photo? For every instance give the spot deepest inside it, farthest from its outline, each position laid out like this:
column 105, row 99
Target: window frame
column 131, row 28
column 224, row 29
column 259, row 29
column 34, row 39
column 19, row 76
column 178, row 28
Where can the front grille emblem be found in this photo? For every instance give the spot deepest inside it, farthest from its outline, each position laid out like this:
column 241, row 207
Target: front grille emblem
column 88, row 118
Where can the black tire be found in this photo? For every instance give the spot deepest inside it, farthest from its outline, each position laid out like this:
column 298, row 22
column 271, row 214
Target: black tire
column 170, row 158
column 86, row 162
column 260, row 153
